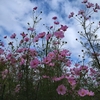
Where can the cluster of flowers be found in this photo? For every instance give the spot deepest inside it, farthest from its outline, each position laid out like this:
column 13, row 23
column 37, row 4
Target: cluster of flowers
column 40, row 57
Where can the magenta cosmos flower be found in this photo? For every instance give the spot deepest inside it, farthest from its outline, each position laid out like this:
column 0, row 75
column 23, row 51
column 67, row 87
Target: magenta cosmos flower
column 36, row 39
column 54, row 18
column 1, row 51
column 90, row 93
column 59, row 34
column 34, row 8
column 71, row 15
column 64, row 28
column 82, row 92
column 48, row 36
column 72, row 81
column 13, row 36
column 31, row 29
column 41, row 35
column 34, row 63
column 84, row 1
column 51, row 55
column 61, row 89
column 47, row 60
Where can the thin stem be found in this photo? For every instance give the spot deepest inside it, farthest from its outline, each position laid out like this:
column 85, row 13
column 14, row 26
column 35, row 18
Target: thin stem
column 84, row 26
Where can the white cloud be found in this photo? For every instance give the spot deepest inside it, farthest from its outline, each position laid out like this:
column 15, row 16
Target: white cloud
column 54, row 4
column 14, row 15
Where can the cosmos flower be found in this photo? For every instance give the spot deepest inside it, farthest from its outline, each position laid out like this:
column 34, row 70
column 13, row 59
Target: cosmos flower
column 34, row 63
column 82, row 92
column 61, row 89
column 59, row 34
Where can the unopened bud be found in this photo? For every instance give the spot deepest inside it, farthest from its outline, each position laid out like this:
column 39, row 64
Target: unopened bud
column 82, row 50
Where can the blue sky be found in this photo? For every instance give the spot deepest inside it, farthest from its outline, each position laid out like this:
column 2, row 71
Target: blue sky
column 15, row 14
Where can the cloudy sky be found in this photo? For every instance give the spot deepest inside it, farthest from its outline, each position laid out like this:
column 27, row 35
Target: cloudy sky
column 15, row 14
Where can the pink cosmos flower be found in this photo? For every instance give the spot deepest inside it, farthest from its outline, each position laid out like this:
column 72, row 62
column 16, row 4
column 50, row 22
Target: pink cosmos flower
column 20, row 50
column 34, row 63
column 58, row 78
column 51, row 64
column 76, row 71
column 71, row 15
column 84, row 1
column 64, row 52
column 41, row 35
column 81, row 12
column 59, row 34
column 1, row 44
column 90, row 93
column 64, row 28
column 97, row 6
column 9, row 56
column 89, row 5
column 51, row 27
column 34, row 8
column 56, row 42
column 45, row 76
column 48, row 36
column 31, row 29
column 54, row 18
column 82, row 92
column 77, row 64
column 5, row 37
column 23, row 34
column 36, row 39
column 21, row 41
column 13, row 36
column 1, row 51
column 26, row 39
column 17, row 89
column 10, row 43
column 13, row 60
column 95, row 10
column 92, row 71
column 84, row 67
column 19, row 75
column 68, row 63
column 61, row 90
column 51, row 55
column 33, row 52
column 56, row 22
column 4, row 73
column 60, row 57
column 71, row 80
column 47, row 60
column 22, row 61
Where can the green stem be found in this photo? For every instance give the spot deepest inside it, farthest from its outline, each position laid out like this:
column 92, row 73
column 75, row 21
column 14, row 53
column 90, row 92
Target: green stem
column 2, row 96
